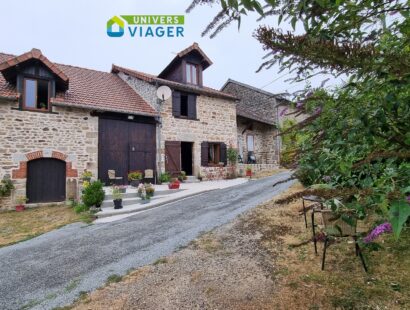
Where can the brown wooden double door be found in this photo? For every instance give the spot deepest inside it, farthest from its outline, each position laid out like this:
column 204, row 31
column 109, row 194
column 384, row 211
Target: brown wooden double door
column 125, row 146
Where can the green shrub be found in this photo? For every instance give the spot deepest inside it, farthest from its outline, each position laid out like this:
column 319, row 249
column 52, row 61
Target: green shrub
column 80, row 208
column 232, row 155
column 93, row 194
column 165, row 177
column 6, row 186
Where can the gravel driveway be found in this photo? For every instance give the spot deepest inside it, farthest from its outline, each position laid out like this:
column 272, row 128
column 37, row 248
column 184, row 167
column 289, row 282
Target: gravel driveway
column 53, row 269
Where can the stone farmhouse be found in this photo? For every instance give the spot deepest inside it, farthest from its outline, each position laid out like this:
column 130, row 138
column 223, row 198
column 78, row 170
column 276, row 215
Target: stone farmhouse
column 59, row 120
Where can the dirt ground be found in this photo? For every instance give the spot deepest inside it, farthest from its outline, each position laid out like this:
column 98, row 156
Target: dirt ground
column 263, row 260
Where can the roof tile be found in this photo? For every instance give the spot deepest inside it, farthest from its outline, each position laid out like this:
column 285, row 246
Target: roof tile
column 89, row 89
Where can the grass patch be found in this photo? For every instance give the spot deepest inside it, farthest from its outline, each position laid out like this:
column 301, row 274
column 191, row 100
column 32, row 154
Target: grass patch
column 343, row 284
column 114, row 278
column 72, row 285
column 159, row 261
column 21, row 226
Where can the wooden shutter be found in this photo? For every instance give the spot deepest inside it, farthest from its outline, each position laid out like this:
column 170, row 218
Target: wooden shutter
column 173, row 157
column 204, row 154
column 223, row 154
column 192, row 106
column 176, row 103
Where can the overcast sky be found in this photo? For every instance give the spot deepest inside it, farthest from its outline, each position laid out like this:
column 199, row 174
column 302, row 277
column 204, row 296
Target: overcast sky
column 73, row 32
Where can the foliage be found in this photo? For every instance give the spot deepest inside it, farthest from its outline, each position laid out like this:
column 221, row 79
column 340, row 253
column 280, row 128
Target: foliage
column 93, row 194
column 146, row 191
column 116, row 193
column 165, row 177
column 290, row 143
column 6, row 186
column 182, row 176
column 399, row 213
column 80, row 208
column 248, row 169
column 357, row 136
column 135, row 175
column 21, row 200
column 232, row 155
column 87, row 174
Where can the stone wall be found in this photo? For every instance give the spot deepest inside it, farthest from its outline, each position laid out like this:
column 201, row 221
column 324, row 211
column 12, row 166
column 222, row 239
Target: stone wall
column 216, row 122
column 67, row 134
column 241, row 168
column 265, row 143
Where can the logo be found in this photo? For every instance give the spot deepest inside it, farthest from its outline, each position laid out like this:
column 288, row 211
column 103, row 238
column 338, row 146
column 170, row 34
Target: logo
column 145, row 26
column 115, row 21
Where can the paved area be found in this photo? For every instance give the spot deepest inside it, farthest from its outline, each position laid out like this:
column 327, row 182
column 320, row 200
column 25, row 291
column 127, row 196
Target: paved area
column 132, row 204
column 53, row 269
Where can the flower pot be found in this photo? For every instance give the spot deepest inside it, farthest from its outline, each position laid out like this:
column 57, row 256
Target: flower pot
column 135, row 183
column 20, row 208
column 248, row 173
column 118, row 204
column 173, row 186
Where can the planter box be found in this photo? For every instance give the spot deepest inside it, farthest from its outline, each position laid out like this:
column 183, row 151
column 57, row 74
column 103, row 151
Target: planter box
column 135, row 183
column 20, row 208
column 118, row 204
column 173, row 186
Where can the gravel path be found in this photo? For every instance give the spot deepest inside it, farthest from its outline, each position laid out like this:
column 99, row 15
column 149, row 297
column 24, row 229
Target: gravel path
column 53, row 269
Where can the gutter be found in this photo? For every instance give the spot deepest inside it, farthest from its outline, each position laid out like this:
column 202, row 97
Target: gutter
column 96, row 108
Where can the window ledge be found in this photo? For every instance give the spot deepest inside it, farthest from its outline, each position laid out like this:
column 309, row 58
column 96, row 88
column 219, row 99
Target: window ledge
column 186, row 118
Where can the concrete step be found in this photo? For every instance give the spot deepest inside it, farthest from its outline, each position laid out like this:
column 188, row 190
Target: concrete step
column 134, row 194
column 191, row 179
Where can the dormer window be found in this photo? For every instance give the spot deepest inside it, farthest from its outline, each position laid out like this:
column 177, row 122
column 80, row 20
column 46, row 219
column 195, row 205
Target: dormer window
column 36, row 94
column 192, row 74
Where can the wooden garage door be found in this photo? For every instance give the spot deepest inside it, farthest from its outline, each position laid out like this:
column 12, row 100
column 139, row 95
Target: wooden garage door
column 125, row 146
column 46, row 180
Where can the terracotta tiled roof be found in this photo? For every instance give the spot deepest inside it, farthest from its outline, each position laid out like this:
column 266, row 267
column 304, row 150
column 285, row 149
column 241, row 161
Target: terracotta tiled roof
column 206, row 62
column 33, row 54
column 179, row 86
column 90, row 89
column 255, row 103
column 195, row 47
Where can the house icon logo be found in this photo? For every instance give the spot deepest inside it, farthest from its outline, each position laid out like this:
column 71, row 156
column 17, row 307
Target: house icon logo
column 115, row 33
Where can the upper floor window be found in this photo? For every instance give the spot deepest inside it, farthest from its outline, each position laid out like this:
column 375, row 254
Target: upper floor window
column 192, row 74
column 184, row 105
column 36, row 94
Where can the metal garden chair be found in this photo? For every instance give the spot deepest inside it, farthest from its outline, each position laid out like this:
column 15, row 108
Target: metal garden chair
column 336, row 227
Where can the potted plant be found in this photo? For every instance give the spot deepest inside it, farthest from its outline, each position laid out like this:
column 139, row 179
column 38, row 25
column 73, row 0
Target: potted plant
column 182, row 176
column 175, row 183
column 146, row 191
column 43, row 106
column 200, row 177
column 135, row 178
column 164, row 178
column 87, row 175
column 93, row 194
column 248, row 171
column 150, row 190
column 117, row 197
column 122, row 189
column 21, row 200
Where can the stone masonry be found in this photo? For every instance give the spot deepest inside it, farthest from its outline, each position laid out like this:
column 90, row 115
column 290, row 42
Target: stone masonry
column 67, row 134
column 216, row 123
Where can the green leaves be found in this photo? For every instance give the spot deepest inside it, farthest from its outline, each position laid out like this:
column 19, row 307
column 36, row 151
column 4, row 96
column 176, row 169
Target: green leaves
column 399, row 213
